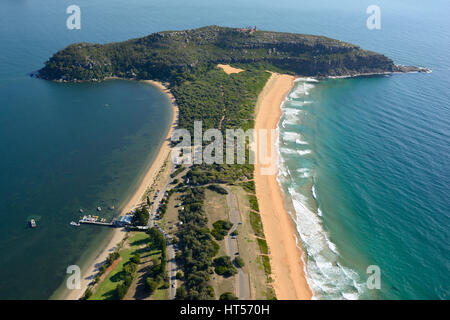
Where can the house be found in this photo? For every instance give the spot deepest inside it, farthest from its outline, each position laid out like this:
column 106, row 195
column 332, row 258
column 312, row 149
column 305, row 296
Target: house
column 123, row 221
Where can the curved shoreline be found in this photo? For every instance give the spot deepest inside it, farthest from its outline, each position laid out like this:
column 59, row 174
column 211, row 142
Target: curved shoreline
column 147, row 179
column 281, row 235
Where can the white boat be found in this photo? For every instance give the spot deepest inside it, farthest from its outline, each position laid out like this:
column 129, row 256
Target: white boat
column 99, row 208
column 73, row 223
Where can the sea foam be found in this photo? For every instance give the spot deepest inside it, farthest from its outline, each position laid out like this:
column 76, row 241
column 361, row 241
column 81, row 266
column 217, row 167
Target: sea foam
column 326, row 277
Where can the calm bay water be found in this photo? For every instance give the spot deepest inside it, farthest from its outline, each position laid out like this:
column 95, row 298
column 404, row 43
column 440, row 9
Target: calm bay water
column 375, row 149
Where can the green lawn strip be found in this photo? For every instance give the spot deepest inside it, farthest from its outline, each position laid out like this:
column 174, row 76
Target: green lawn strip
column 161, row 294
column 106, row 290
column 263, row 246
column 255, row 221
column 266, row 264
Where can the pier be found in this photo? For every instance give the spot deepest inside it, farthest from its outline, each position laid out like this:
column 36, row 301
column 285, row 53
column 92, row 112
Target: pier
column 95, row 220
column 107, row 224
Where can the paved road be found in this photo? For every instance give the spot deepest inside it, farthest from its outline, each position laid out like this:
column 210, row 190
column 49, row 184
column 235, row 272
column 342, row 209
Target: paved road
column 170, row 249
column 172, row 271
column 242, row 280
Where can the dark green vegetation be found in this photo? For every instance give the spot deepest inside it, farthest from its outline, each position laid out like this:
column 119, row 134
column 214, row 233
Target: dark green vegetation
column 228, row 296
column 198, row 247
column 156, row 275
column 141, row 216
column 255, row 220
column 163, row 206
column 129, row 270
column 263, row 246
column 253, row 202
column 266, row 264
column 175, row 56
column 220, row 229
column 224, row 266
column 248, row 186
column 218, row 189
column 239, row 262
column 179, row 169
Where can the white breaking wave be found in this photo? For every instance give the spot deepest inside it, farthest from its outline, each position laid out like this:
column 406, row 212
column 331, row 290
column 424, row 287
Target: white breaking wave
column 319, row 212
column 303, row 152
column 326, row 277
column 299, row 141
column 304, row 172
column 296, row 137
column 313, row 191
column 295, row 151
column 301, row 90
column 295, row 103
column 307, row 79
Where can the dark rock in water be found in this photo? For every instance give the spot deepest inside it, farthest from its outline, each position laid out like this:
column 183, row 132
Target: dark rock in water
column 407, row 69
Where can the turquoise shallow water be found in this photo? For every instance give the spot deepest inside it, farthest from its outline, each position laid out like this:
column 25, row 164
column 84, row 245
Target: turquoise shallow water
column 379, row 147
column 367, row 180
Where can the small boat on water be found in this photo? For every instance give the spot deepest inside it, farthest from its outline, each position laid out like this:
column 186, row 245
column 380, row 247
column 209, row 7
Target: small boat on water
column 73, row 223
column 32, row 223
column 99, row 208
column 81, row 210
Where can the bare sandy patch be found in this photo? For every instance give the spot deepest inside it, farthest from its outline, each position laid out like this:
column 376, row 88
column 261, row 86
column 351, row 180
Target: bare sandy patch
column 229, row 69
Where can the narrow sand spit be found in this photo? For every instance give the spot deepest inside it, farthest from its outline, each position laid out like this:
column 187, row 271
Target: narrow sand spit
column 285, row 256
column 147, row 180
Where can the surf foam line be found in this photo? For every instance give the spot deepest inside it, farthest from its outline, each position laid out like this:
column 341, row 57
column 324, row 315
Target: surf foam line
column 326, row 276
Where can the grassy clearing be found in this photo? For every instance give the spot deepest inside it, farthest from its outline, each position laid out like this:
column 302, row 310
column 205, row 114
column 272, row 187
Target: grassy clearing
column 106, row 290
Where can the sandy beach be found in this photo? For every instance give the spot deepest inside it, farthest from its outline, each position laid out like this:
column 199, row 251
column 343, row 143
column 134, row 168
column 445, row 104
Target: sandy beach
column 147, row 180
column 285, row 256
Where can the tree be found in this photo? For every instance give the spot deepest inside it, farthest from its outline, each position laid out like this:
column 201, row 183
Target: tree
column 121, row 290
column 239, row 262
column 141, row 216
column 181, row 293
column 136, row 258
column 151, row 285
column 224, row 267
column 87, row 294
column 228, row 296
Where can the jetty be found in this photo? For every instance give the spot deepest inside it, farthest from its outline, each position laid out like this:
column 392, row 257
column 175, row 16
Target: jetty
column 95, row 220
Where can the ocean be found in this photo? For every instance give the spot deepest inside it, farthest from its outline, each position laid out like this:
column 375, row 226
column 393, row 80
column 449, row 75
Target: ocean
column 365, row 161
